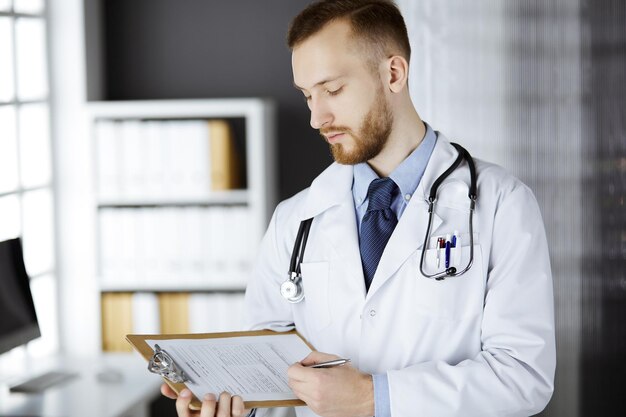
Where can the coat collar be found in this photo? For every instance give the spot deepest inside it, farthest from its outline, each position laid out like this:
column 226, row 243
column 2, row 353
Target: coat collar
column 328, row 189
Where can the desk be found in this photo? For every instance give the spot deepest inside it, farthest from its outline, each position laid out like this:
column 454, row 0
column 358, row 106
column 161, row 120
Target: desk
column 84, row 395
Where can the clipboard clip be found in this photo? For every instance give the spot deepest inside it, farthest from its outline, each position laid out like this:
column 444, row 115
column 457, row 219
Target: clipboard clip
column 161, row 363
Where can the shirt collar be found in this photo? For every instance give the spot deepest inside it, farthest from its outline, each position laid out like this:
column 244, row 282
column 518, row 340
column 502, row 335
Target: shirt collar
column 404, row 175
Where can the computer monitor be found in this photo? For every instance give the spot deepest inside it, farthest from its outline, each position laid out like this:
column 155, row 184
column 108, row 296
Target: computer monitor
column 18, row 320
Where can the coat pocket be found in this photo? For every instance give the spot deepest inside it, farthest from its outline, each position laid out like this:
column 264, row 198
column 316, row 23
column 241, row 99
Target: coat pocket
column 315, row 277
column 454, row 298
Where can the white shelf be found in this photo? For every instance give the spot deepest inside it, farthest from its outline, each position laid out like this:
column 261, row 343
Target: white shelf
column 177, row 285
column 185, row 108
column 234, row 197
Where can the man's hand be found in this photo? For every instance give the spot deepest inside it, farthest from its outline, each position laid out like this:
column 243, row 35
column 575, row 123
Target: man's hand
column 341, row 391
column 227, row 406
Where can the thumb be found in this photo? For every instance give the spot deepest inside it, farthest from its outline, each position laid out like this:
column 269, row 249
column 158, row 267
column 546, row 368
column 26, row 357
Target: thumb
column 167, row 391
column 317, row 357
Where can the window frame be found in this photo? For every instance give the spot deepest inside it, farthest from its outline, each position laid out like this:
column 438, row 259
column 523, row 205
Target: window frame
column 20, row 191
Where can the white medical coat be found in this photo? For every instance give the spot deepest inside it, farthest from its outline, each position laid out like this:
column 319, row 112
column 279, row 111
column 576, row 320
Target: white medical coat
column 481, row 344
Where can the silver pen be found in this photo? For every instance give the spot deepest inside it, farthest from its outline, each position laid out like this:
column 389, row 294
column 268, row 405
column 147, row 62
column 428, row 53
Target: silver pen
column 329, row 364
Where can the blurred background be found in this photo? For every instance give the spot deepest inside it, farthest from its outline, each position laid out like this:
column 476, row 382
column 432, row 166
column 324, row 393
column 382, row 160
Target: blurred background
column 538, row 87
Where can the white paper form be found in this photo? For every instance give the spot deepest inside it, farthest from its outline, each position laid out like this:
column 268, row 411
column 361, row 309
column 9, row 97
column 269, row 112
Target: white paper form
column 253, row 367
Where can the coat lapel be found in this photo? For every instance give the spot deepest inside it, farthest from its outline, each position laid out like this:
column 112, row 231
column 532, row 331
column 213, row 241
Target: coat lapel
column 329, row 189
column 330, row 201
column 410, row 231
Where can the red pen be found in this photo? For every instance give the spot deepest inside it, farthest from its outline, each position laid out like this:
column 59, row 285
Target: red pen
column 441, row 243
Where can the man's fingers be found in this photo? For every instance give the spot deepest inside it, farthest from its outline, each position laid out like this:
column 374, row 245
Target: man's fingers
column 301, row 373
column 182, row 403
column 317, row 357
column 227, row 406
column 209, row 403
column 236, row 407
column 295, row 372
column 223, row 405
column 167, row 391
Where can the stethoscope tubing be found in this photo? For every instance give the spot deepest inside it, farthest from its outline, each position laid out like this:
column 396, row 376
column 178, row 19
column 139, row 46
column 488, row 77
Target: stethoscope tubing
column 452, row 271
column 297, row 255
column 300, row 244
column 432, row 198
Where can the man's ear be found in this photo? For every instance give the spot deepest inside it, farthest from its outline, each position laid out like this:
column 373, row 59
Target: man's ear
column 398, row 70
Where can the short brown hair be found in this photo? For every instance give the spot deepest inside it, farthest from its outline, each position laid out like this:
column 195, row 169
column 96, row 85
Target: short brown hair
column 377, row 22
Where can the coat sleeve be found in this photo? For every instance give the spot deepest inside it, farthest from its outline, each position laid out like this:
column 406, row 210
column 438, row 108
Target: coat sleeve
column 513, row 375
column 265, row 306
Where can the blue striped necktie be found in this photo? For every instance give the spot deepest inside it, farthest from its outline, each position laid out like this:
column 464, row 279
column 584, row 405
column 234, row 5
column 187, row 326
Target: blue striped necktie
column 377, row 226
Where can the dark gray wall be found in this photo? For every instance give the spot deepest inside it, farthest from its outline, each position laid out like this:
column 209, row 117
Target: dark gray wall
column 167, row 49
column 603, row 353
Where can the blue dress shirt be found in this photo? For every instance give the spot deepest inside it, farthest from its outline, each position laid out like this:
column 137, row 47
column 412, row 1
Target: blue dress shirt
column 406, row 176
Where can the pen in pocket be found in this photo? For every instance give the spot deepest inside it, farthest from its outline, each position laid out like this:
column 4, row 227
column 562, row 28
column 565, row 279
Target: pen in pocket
column 440, row 244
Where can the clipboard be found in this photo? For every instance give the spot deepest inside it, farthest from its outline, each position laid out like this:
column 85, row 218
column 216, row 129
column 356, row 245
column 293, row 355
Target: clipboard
column 173, row 375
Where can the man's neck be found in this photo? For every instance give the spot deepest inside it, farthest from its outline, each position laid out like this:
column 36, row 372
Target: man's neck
column 406, row 136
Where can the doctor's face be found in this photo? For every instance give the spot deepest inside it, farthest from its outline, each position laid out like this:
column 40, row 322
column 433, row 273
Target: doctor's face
column 345, row 95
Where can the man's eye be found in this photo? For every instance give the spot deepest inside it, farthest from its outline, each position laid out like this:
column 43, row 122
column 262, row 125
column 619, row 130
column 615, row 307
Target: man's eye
column 333, row 93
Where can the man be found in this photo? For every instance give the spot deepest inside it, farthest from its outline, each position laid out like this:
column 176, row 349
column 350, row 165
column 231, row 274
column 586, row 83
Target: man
column 478, row 344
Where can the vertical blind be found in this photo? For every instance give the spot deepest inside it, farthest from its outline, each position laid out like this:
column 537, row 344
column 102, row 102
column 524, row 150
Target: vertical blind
column 539, row 87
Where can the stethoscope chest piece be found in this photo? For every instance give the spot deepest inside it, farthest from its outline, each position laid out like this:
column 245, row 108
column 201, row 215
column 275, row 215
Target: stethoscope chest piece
column 292, row 290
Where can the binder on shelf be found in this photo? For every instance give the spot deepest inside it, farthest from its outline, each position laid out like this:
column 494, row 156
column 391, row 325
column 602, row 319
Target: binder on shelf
column 224, row 157
column 146, row 313
column 108, row 161
column 133, row 166
column 117, row 321
column 253, row 362
column 216, row 312
column 174, row 312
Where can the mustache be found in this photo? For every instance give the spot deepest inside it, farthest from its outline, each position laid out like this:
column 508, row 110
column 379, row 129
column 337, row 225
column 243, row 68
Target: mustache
column 334, row 129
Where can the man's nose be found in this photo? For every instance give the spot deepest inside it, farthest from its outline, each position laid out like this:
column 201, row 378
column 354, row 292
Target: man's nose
column 320, row 114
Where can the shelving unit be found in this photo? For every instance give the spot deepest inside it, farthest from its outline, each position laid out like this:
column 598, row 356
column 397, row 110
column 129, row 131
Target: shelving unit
column 221, row 229
column 233, row 197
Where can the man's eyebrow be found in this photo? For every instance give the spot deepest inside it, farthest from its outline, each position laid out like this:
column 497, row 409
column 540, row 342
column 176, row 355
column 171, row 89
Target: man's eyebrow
column 318, row 83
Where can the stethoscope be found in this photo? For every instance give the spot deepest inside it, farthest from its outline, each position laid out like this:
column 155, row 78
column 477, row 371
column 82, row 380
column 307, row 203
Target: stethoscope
column 292, row 289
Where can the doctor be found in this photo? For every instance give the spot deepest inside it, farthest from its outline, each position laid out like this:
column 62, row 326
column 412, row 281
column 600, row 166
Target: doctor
column 478, row 344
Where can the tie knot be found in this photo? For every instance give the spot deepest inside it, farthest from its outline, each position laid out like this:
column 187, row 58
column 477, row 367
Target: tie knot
column 379, row 194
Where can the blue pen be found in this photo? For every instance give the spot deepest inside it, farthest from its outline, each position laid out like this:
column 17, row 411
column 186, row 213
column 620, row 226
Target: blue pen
column 447, row 254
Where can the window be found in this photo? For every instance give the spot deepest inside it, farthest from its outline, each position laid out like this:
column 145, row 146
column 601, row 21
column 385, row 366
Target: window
column 26, row 193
